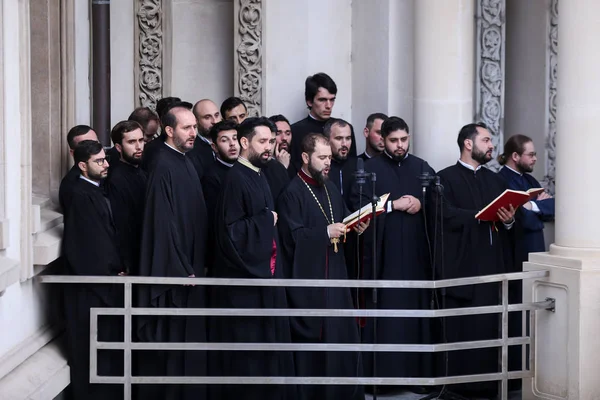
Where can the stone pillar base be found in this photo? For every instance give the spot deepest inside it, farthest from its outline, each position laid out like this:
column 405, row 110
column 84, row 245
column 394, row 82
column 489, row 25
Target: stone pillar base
column 567, row 343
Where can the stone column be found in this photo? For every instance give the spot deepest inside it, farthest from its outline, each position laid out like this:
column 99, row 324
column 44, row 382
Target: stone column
column 567, row 346
column 444, row 76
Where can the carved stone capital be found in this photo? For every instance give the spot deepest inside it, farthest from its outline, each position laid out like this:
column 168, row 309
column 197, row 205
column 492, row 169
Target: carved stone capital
column 248, row 63
column 149, row 55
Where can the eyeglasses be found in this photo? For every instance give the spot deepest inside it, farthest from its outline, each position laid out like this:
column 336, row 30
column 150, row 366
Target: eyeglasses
column 532, row 154
column 101, row 161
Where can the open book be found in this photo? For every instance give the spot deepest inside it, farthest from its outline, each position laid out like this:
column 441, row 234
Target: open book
column 365, row 213
column 515, row 197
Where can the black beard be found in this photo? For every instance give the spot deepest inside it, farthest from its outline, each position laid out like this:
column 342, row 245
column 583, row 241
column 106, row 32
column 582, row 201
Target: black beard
column 257, row 160
column 225, row 157
column 480, row 156
column 317, row 175
column 95, row 177
column 131, row 160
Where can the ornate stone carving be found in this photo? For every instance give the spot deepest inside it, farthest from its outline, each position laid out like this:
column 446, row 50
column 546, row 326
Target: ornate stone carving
column 248, row 61
column 549, row 178
column 490, row 70
column 149, row 42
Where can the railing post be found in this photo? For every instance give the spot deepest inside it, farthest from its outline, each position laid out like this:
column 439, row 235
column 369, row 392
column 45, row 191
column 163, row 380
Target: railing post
column 127, row 342
column 504, row 384
column 93, row 345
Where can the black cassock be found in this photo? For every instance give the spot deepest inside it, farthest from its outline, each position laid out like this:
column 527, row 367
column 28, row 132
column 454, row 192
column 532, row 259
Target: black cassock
column 308, row 254
column 472, row 248
column 277, row 178
column 173, row 245
column 202, row 156
column 248, row 247
column 211, row 187
column 91, row 248
column 67, row 184
column 402, row 254
column 151, row 151
column 126, row 188
column 305, row 127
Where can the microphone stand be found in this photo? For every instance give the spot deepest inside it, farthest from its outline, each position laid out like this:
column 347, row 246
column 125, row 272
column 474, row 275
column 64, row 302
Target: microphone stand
column 443, row 393
column 374, row 201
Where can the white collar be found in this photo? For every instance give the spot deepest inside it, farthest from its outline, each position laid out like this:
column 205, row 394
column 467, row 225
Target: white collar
column 225, row 163
column 97, row 184
column 469, row 166
column 516, row 172
column 367, row 154
column 171, row 147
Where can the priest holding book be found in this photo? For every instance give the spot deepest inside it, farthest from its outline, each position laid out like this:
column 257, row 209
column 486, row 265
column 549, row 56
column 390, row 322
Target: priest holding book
column 311, row 210
column 402, row 254
column 472, row 247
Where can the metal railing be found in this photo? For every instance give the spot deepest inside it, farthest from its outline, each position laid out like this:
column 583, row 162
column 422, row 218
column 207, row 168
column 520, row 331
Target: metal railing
column 128, row 311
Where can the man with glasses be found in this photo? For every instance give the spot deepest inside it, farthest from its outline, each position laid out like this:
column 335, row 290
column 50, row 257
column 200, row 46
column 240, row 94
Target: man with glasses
column 91, row 248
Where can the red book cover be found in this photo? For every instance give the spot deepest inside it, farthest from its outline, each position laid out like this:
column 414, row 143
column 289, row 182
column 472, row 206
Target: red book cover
column 365, row 213
column 515, row 197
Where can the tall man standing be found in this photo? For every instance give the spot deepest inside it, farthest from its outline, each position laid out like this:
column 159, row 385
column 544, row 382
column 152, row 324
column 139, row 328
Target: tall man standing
column 126, row 188
column 402, row 254
column 207, row 115
column 312, row 235
column 247, row 246
column 372, row 132
column 174, row 245
column 473, row 248
column 91, row 248
column 319, row 93
column 153, row 147
column 234, row 109
column 343, row 165
column 76, row 135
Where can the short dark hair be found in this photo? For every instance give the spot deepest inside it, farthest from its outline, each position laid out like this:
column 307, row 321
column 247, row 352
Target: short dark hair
column 220, row 127
column 75, row 131
column 469, row 131
column 247, row 127
column 371, row 119
column 309, row 142
column 143, row 116
column 331, row 122
column 85, row 150
column 163, row 104
column 316, row 81
column 514, row 144
column 169, row 118
column 231, row 103
column 393, row 124
column 279, row 118
column 116, row 135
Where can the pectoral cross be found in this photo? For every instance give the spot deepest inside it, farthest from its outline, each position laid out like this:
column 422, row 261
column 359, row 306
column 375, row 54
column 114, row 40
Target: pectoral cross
column 334, row 242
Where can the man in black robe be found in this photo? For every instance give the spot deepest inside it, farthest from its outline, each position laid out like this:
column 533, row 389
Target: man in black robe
column 343, row 165
column 282, row 145
column 126, row 188
column 202, row 155
column 227, row 149
column 234, row 109
column 173, row 245
column 91, row 248
column 76, row 135
column 374, row 141
column 247, row 246
column 152, row 148
column 473, row 248
column 312, row 243
column 402, row 254
column 148, row 120
column 276, row 174
column 319, row 93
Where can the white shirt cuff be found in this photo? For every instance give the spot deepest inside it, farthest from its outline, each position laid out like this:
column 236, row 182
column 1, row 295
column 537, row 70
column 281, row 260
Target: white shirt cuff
column 509, row 226
column 534, row 207
column 327, row 229
column 390, row 208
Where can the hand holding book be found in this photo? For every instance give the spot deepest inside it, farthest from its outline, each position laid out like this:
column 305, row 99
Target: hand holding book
column 509, row 198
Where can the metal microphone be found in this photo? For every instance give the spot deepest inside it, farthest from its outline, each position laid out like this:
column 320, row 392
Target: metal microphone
column 360, row 174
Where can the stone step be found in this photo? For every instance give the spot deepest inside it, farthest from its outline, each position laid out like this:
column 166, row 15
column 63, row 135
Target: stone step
column 47, row 245
column 41, row 201
column 49, row 219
